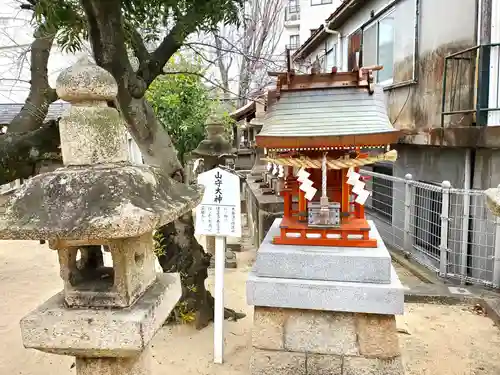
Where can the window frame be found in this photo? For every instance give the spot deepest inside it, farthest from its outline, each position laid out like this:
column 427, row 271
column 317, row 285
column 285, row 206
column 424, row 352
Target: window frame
column 294, row 44
column 328, row 51
column 350, row 63
column 321, row 2
column 376, row 23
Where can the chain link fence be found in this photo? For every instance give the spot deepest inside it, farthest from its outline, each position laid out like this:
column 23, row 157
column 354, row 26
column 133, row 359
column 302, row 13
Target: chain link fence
column 448, row 230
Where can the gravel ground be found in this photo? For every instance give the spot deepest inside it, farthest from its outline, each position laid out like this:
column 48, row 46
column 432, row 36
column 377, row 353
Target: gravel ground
column 440, row 340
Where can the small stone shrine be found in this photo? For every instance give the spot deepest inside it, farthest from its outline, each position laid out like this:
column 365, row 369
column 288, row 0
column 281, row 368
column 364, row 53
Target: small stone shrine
column 324, row 292
column 105, row 316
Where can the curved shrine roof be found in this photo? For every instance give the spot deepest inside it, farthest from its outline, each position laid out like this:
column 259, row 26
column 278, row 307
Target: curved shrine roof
column 327, row 117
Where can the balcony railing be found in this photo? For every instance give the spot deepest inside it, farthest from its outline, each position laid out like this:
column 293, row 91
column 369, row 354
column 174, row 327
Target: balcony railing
column 466, row 85
column 292, row 13
column 292, row 47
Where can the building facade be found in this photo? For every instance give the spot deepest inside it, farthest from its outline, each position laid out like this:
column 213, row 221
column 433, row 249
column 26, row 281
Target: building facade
column 302, row 18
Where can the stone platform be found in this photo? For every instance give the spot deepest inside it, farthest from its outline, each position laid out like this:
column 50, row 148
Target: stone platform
column 356, row 264
column 327, row 295
column 293, row 341
column 324, row 310
column 104, row 332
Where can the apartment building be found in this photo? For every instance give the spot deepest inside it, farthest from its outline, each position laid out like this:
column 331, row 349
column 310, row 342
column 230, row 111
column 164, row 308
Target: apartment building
column 302, row 18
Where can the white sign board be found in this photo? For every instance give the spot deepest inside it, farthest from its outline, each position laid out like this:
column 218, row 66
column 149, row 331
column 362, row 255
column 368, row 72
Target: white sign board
column 219, row 213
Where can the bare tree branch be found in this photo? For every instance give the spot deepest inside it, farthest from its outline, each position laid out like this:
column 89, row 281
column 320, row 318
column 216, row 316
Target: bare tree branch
column 253, row 46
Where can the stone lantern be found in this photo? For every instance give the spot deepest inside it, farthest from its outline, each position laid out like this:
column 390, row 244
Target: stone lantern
column 215, row 149
column 105, row 316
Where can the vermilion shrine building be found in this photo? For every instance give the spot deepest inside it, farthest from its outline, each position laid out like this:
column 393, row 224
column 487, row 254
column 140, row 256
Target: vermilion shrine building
column 319, row 130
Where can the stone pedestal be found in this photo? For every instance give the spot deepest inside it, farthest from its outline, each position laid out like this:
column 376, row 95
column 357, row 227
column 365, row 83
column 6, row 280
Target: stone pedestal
column 324, row 310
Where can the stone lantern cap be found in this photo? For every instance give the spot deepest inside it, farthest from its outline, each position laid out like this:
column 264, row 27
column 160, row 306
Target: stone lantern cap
column 98, row 202
column 215, row 144
column 493, row 200
column 99, row 193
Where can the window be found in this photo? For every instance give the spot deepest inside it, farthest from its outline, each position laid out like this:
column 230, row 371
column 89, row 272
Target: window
column 330, row 55
column 378, row 46
column 354, row 50
column 382, row 193
column 292, row 11
column 427, row 220
column 294, row 42
column 320, row 2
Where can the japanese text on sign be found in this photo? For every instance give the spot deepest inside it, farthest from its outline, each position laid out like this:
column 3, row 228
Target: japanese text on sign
column 219, row 213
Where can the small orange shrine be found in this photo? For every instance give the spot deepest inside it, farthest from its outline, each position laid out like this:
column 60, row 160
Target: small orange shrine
column 319, row 130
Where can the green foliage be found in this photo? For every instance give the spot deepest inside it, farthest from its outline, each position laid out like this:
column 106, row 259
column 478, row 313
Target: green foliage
column 159, row 244
column 182, row 104
column 153, row 18
column 228, row 122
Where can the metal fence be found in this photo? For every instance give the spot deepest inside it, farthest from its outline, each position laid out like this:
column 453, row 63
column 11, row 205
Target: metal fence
column 448, row 230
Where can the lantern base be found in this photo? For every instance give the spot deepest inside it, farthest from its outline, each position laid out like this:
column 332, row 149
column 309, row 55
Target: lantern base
column 96, row 333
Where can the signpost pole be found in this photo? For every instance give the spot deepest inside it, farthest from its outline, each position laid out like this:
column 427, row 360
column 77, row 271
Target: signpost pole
column 220, row 265
column 219, row 215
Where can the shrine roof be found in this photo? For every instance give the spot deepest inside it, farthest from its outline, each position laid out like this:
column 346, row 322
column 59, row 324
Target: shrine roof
column 322, row 117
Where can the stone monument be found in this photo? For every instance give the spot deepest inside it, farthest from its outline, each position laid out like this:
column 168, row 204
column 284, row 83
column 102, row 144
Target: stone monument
column 324, row 291
column 216, row 150
column 105, row 316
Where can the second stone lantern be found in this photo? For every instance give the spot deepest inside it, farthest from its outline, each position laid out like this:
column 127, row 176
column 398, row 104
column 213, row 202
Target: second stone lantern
column 105, row 316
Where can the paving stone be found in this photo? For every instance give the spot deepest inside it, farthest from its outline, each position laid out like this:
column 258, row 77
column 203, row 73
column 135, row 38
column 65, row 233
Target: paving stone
column 318, row 364
column 321, row 332
column 372, row 366
column 269, row 328
column 377, row 335
column 265, row 362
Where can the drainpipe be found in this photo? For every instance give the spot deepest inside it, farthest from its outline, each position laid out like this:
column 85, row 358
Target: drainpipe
column 470, row 153
column 466, row 250
column 338, row 52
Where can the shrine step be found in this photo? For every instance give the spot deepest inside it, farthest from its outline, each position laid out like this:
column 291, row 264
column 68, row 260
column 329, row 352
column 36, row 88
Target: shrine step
column 348, row 264
column 327, row 295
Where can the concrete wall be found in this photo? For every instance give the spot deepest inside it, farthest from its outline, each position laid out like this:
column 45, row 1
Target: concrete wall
column 436, row 39
column 417, row 106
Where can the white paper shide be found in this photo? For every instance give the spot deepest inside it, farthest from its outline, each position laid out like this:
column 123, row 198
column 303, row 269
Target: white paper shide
column 353, row 179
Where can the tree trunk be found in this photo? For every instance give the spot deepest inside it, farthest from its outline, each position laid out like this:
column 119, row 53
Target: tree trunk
column 26, row 140
column 182, row 251
column 20, row 152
